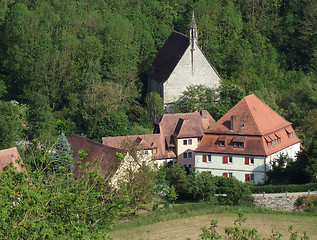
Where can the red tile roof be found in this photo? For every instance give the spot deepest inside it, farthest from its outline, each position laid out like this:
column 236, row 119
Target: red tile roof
column 256, row 122
column 103, row 157
column 195, row 123
column 10, row 156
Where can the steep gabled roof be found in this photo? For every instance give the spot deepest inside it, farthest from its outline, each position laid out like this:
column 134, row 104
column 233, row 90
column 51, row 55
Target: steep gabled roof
column 195, row 123
column 10, row 155
column 252, row 117
column 168, row 57
column 102, row 156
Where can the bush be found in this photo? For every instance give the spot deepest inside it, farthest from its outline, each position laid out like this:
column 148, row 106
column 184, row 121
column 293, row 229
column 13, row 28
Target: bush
column 236, row 192
column 284, row 188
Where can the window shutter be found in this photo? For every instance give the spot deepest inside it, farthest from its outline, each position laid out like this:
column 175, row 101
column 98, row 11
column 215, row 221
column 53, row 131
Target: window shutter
column 204, row 158
column 225, row 174
column 225, row 159
column 247, row 177
column 247, row 161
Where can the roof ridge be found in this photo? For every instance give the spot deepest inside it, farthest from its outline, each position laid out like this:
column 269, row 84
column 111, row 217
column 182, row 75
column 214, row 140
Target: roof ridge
column 92, row 141
column 248, row 108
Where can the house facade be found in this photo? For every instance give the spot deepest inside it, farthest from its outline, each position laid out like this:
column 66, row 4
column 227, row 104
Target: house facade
column 245, row 141
column 179, row 64
column 175, row 139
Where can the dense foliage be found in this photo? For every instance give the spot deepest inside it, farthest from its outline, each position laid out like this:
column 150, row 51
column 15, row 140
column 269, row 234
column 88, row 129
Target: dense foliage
column 204, row 186
column 77, row 61
column 38, row 206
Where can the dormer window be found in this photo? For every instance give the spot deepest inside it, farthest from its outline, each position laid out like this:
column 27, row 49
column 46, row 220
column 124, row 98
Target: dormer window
column 290, row 135
column 154, row 150
column 222, row 141
column 238, row 142
column 12, row 156
column 273, row 142
column 289, row 131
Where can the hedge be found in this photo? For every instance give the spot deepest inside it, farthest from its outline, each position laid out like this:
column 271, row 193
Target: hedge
column 284, row 188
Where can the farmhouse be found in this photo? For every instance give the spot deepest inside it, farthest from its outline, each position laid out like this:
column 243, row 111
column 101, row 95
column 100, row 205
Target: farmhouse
column 179, row 64
column 11, row 155
column 244, row 142
column 104, row 159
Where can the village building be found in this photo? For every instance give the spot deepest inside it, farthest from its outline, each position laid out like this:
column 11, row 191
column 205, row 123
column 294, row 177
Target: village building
column 175, row 139
column 179, row 64
column 105, row 160
column 11, row 155
column 245, row 141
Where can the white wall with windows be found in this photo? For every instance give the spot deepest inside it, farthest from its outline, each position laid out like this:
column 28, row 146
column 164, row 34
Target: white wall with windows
column 244, row 168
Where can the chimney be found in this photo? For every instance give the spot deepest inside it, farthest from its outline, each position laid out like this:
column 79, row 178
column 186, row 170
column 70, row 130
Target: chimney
column 232, row 122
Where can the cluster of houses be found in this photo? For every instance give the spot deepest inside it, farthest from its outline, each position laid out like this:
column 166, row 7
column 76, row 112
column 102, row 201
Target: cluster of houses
column 241, row 144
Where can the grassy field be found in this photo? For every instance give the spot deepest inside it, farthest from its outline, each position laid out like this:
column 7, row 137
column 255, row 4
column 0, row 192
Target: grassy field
column 175, row 224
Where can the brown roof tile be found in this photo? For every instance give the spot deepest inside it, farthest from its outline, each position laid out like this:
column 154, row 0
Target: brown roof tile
column 9, row 156
column 103, row 157
column 146, row 141
column 168, row 57
column 196, row 123
column 256, row 122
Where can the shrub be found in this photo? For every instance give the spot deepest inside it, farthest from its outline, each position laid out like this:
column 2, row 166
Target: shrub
column 284, row 188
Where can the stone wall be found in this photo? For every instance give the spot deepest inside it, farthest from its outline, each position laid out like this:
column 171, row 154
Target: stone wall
column 284, row 203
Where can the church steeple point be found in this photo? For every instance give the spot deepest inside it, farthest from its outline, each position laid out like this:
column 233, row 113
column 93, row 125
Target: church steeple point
column 193, row 34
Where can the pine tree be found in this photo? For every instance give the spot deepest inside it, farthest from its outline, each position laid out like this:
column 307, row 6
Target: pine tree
column 62, row 159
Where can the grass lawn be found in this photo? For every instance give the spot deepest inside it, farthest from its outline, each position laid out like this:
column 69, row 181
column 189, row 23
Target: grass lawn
column 175, row 224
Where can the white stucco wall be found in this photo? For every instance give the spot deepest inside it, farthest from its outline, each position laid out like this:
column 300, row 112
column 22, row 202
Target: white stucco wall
column 291, row 151
column 238, row 168
column 183, row 76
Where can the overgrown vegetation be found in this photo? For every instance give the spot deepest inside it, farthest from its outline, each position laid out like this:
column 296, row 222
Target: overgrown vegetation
column 78, row 61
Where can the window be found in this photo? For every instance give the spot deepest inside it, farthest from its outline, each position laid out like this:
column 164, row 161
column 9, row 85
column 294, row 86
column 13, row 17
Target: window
column 225, row 159
column 279, row 140
column 12, row 156
column 252, row 177
column 290, row 135
column 268, row 144
column 230, row 160
column 227, row 175
column 189, row 165
column 207, row 158
column 238, row 144
column 146, row 152
column 188, row 155
column 273, row 142
column 249, row 177
column 252, row 161
column 187, row 142
column 154, row 150
column 222, row 143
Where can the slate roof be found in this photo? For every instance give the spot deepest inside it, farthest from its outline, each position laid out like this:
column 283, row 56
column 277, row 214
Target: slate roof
column 168, row 57
column 255, row 124
column 102, row 156
column 10, row 155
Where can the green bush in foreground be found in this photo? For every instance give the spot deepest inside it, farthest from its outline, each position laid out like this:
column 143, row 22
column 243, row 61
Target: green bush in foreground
column 45, row 207
column 284, row 188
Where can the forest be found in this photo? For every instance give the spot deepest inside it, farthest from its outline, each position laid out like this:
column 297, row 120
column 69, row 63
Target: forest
column 71, row 66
